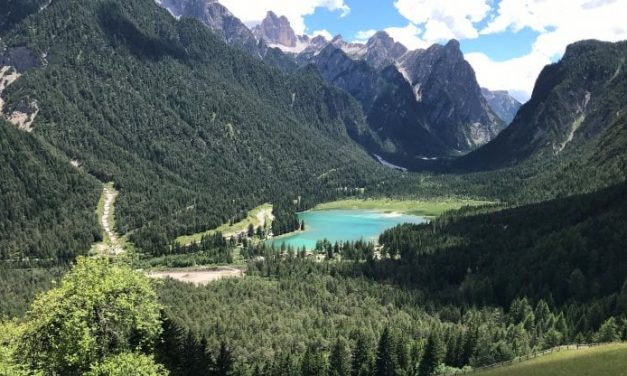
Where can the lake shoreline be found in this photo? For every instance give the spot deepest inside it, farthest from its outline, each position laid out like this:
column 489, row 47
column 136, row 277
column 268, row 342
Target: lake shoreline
column 342, row 225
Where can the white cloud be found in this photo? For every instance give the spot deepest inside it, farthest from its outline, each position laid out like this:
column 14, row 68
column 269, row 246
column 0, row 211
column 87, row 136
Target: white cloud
column 559, row 22
column 517, row 75
column 444, row 20
column 363, row 35
column 253, row 12
column 324, row 32
column 408, row 36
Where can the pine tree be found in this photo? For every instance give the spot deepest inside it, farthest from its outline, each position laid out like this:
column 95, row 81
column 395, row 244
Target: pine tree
column 470, row 345
column 386, row 362
column 314, row 363
column 433, row 355
column 362, row 356
column 608, row 331
column 339, row 361
column 224, row 362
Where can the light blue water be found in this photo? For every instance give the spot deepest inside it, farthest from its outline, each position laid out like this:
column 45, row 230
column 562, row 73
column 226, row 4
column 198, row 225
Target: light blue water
column 342, row 225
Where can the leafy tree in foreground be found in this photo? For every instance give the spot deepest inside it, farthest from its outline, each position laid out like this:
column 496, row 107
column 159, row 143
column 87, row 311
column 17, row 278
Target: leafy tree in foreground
column 128, row 364
column 100, row 310
column 8, row 364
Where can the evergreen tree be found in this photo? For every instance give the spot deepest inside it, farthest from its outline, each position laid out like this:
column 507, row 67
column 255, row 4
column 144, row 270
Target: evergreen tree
column 433, row 355
column 608, row 331
column 362, row 356
column 386, row 362
column 314, row 363
column 339, row 361
column 224, row 361
column 470, row 345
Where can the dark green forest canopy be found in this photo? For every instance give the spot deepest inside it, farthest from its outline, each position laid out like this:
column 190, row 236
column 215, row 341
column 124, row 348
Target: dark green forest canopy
column 48, row 206
column 565, row 250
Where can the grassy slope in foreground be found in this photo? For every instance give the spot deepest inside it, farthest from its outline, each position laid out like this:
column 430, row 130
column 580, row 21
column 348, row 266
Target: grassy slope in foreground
column 428, row 208
column 603, row 360
column 254, row 216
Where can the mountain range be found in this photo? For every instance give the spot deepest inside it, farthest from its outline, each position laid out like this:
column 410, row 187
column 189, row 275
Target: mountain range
column 421, row 103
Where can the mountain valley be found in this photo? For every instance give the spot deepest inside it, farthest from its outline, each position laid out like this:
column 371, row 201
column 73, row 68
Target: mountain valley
column 168, row 138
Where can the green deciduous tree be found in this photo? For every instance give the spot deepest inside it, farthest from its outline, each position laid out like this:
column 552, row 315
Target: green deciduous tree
column 128, row 364
column 100, row 310
column 9, row 364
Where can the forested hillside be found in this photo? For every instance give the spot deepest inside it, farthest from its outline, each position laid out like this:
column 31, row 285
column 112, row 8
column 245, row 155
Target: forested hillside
column 569, row 250
column 192, row 132
column 574, row 103
column 48, row 206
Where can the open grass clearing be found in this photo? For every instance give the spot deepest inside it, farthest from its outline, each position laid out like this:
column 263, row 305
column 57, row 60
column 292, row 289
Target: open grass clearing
column 610, row 360
column 259, row 216
column 426, row 208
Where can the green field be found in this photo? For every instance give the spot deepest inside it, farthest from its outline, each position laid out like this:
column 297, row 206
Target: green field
column 610, row 360
column 227, row 230
column 428, row 208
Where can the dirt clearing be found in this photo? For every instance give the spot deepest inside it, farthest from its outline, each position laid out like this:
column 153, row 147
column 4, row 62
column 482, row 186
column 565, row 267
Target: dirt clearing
column 198, row 277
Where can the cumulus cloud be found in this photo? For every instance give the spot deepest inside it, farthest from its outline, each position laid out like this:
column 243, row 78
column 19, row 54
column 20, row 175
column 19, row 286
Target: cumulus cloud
column 253, row 12
column 363, row 35
column 559, row 23
column 444, row 20
column 324, row 32
column 517, row 75
column 408, row 36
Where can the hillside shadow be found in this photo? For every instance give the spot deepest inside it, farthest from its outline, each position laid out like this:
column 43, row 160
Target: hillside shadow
column 121, row 31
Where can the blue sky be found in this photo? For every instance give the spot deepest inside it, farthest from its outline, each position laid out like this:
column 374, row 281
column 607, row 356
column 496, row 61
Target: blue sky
column 507, row 42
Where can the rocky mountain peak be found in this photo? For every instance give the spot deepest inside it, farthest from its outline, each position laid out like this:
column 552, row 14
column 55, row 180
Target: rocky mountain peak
column 503, row 105
column 217, row 18
column 446, row 85
column 382, row 50
column 276, row 30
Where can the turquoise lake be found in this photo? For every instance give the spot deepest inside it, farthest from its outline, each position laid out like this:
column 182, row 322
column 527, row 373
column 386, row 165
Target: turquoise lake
column 342, row 225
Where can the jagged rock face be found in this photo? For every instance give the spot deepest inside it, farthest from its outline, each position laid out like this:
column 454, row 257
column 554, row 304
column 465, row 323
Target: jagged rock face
column 445, row 84
column 219, row 19
column 382, row 50
column 387, row 99
column 503, row 105
column 275, row 30
column 574, row 101
column 357, row 78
